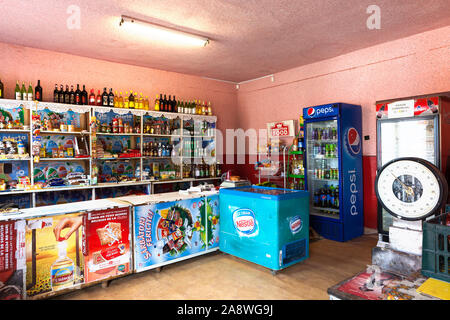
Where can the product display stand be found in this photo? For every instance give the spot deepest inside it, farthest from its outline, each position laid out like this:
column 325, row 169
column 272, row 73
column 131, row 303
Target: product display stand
column 82, row 131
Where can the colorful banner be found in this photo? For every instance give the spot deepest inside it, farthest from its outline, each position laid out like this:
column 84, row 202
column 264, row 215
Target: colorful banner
column 14, row 114
column 421, row 107
column 211, row 206
column 106, row 243
column 44, row 171
column 56, row 118
column 281, row 129
column 53, row 253
column 167, row 231
column 12, row 260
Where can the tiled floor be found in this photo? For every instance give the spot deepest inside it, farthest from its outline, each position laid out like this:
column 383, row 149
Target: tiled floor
column 221, row 276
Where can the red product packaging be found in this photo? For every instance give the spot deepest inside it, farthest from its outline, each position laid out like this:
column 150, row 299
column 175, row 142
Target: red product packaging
column 106, row 243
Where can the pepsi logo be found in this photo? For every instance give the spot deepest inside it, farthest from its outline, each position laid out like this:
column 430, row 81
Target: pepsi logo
column 295, row 224
column 353, row 141
column 311, row 111
column 245, row 222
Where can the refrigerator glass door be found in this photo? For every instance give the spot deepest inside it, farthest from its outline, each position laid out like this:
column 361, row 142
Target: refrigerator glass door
column 323, row 168
column 406, row 138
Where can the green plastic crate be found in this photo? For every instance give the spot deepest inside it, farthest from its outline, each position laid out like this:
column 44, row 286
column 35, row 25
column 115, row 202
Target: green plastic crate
column 436, row 247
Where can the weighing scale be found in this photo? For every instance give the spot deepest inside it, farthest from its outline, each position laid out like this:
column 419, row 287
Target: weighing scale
column 411, row 190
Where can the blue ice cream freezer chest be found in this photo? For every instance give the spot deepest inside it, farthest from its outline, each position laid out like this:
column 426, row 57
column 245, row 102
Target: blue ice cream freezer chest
column 267, row 226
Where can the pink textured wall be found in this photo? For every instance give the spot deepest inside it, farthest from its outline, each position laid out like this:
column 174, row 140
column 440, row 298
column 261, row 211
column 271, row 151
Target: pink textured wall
column 411, row 66
column 29, row 64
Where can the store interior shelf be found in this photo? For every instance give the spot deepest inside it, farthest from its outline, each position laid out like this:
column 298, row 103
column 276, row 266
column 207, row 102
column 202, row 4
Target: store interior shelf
column 64, row 159
column 64, row 132
column 14, row 131
column 117, row 134
column 326, row 209
column 296, row 176
column 16, row 159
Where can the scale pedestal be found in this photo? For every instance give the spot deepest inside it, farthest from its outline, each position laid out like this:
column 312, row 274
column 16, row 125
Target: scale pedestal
column 403, row 253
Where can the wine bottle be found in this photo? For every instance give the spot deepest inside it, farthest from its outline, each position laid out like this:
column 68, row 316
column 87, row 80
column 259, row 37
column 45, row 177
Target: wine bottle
column 105, row 98
column 165, row 104
column 99, row 100
column 92, row 98
column 72, row 95
column 23, row 92
column 29, row 94
column 175, row 105
column 56, row 94
column 84, row 96
column 131, row 100
column 61, row 94
column 37, row 91
column 2, row 94
column 111, row 98
column 17, row 91
column 78, row 95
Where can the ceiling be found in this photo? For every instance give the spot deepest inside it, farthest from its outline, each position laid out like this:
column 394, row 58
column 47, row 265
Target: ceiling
column 250, row 38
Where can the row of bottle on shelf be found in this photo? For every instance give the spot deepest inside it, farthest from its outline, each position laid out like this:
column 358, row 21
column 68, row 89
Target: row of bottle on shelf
column 80, row 96
column 327, row 150
column 21, row 93
column 12, row 149
column 326, row 173
column 159, row 171
column 327, row 133
column 297, row 184
column 327, row 197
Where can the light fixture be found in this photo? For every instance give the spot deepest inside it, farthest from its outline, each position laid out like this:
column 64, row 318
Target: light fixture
column 161, row 33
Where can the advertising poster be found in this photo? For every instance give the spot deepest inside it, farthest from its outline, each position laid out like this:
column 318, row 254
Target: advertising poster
column 53, row 253
column 167, row 231
column 209, row 208
column 12, row 260
column 44, row 171
column 14, row 114
column 106, row 243
column 56, row 118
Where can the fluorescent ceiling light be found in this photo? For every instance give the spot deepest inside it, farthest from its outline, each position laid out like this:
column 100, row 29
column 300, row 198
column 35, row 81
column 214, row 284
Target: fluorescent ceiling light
column 160, row 33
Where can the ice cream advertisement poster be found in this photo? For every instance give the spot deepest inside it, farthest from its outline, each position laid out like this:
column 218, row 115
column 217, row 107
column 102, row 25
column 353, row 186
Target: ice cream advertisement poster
column 106, row 243
column 167, row 231
column 45, row 171
column 15, row 114
column 69, row 117
column 54, row 258
column 211, row 208
column 12, row 260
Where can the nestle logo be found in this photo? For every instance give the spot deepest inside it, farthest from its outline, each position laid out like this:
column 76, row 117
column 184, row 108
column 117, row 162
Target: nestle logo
column 245, row 222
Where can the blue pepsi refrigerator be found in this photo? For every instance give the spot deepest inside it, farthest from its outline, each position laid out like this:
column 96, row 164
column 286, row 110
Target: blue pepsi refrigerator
column 267, row 226
column 334, row 175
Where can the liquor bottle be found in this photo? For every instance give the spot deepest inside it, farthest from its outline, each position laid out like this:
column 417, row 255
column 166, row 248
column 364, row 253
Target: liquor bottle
column 61, row 94
column 72, row 95
column 17, row 91
column 174, row 105
column 126, row 103
column 38, row 91
column 165, row 104
column 2, row 93
column 146, row 103
column 29, row 94
column 78, row 95
column 56, row 94
column 116, row 100
column 136, row 100
column 169, row 104
column 141, row 102
column 23, row 92
column 111, row 98
column 84, row 96
column 67, row 95
column 92, row 98
column 105, row 98
column 209, row 108
column 131, row 100
column 204, row 110
column 120, row 100
column 157, row 103
column 98, row 99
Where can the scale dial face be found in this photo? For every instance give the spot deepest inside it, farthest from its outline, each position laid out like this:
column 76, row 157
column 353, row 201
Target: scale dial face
column 410, row 188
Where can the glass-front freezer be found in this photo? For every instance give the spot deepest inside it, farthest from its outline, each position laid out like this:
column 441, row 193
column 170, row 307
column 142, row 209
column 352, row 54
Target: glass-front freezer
column 334, row 170
column 405, row 137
